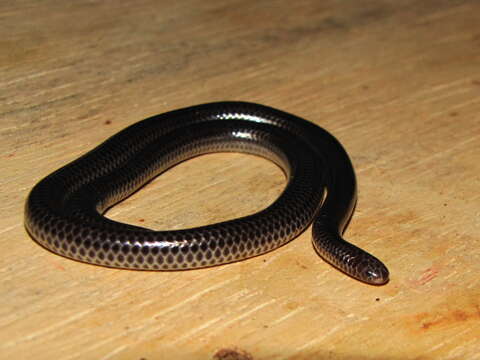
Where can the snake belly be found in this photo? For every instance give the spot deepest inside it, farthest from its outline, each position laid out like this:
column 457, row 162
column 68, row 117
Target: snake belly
column 64, row 211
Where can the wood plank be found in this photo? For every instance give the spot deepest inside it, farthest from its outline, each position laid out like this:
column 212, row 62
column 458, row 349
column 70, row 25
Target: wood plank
column 397, row 82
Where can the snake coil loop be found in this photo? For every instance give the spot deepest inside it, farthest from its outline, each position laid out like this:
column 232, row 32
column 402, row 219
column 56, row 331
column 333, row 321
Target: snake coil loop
column 64, row 210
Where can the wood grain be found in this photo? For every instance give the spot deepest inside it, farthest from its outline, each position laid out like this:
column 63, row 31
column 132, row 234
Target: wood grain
column 398, row 82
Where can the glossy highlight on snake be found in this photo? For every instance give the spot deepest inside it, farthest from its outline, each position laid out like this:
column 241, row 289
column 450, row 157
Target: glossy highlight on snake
column 64, row 211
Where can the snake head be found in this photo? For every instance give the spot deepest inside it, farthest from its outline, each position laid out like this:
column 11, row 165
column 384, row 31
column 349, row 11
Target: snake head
column 373, row 271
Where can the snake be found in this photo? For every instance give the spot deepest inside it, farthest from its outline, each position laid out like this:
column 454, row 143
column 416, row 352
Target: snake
column 65, row 211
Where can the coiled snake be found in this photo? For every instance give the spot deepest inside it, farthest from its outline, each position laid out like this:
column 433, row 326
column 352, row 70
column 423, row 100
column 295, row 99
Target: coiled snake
column 64, row 210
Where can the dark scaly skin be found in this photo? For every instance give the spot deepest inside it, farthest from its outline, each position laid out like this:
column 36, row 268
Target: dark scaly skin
column 64, row 210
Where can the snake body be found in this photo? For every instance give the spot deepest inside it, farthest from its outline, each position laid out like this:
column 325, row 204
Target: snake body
column 64, row 211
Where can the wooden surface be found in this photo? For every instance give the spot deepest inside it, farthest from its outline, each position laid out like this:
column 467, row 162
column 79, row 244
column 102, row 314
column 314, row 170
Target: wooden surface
column 398, row 82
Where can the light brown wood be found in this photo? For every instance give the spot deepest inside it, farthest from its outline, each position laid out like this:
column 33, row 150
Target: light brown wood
column 398, row 82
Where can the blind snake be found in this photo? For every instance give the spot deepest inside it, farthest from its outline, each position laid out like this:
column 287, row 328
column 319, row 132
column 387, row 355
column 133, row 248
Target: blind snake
column 64, row 211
